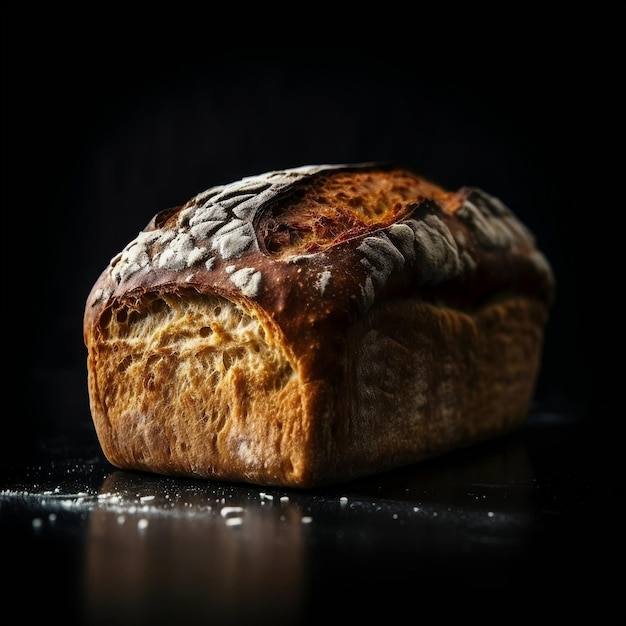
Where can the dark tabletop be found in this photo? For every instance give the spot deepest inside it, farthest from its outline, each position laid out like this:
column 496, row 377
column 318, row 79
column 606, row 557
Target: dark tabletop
column 528, row 522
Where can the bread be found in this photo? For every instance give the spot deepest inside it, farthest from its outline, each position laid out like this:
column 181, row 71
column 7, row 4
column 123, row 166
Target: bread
column 315, row 325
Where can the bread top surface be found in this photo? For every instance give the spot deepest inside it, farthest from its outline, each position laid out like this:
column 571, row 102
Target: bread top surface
column 309, row 249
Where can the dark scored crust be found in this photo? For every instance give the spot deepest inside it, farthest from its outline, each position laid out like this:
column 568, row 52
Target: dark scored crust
column 401, row 320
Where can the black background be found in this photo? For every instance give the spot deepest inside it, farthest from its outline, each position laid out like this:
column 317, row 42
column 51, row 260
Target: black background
column 113, row 111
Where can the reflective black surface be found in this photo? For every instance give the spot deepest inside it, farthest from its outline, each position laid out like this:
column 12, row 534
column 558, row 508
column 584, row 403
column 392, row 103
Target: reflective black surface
column 526, row 524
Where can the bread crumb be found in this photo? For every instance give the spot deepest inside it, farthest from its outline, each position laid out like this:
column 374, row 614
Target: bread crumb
column 229, row 511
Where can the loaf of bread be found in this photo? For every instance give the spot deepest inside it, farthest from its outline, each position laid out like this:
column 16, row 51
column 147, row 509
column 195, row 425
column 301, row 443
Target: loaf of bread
column 315, row 325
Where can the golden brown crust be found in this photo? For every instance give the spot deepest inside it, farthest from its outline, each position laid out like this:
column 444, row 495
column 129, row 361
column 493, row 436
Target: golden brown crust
column 315, row 325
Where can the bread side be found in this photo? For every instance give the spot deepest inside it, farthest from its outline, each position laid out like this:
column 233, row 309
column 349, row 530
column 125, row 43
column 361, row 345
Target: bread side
column 315, row 325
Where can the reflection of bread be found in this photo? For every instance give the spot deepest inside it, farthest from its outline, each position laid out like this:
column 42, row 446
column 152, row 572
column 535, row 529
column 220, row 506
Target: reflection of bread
column 215, row 575
column 315, row 325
